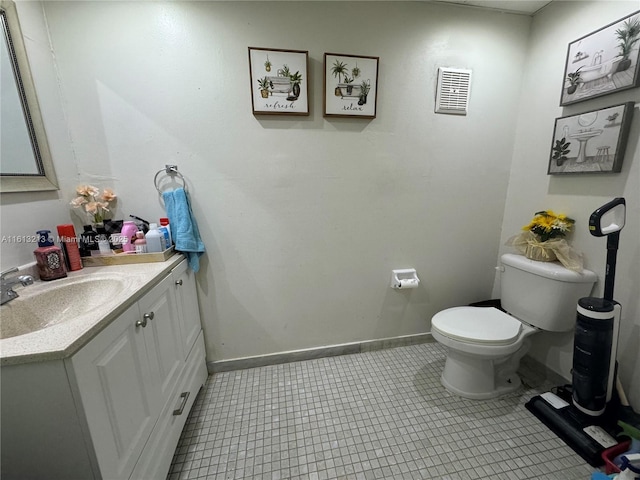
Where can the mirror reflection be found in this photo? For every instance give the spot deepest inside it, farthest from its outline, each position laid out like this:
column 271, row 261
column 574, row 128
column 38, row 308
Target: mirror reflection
column 25, row 160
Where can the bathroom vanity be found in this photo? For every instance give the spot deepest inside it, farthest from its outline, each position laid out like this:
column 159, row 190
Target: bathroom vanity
column 106, row 395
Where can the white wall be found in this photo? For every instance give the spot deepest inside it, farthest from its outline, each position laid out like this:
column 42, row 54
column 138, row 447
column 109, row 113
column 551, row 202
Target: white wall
column 531, row 189
column 303, row 218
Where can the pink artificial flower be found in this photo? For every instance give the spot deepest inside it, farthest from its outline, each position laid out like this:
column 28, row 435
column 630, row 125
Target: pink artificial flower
column 87, row 190
column 108, row 196
column 90, row 200
column 78, row 201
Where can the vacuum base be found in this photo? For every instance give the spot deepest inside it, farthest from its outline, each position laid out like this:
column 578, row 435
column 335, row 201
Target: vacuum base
column 568, row 423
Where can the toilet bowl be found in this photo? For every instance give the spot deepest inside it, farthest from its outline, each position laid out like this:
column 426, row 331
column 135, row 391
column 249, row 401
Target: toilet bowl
column 485, row 345
column 485, row 348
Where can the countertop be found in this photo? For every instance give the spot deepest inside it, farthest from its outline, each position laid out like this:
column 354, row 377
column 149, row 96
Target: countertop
column 62, row 340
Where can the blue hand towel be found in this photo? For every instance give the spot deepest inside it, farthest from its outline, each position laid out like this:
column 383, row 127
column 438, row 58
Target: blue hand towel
column 184, row 229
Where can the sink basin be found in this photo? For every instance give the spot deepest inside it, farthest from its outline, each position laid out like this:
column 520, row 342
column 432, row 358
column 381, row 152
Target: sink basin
column 50, row 303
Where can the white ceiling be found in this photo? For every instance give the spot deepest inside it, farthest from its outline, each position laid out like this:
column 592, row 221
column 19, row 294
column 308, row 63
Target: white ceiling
column 523, row 7
column 527, row 7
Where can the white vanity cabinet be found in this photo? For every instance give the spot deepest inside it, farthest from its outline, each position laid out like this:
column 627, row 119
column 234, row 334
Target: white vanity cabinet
column 132, row 387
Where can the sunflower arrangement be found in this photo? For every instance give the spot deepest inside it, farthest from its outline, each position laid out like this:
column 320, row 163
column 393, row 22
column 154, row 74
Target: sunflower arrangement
column 542, row 240
column 547, row 225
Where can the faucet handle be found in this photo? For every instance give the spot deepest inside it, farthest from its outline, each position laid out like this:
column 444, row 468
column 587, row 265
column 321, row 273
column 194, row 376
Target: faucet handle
column 7, row 272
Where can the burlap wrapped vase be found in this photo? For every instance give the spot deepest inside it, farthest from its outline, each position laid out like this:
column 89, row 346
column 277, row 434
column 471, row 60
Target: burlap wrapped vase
column 540, row 252
column 531, row 247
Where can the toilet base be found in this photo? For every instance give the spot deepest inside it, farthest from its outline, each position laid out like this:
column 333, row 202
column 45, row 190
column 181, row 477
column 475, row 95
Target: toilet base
column 477, row 378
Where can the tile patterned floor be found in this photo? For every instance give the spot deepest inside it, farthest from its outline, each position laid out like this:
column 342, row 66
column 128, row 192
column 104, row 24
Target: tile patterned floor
column 367, row 416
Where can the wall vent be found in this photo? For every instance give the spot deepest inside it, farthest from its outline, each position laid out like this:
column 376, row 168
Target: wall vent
column 452, row 93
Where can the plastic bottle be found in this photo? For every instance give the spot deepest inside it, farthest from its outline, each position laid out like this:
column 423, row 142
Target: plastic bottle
column 49, row 258
column 88, row 241
column 630, row 468
column 164, row 235
column 164, row 222
column 140, row 243
column 103, row 241
column 69, row 243
column 113, row 229
column 128, row 235
column 155, row 240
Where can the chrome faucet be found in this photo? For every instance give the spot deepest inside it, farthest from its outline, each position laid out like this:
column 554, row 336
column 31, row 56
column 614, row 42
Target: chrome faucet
column 7, row 284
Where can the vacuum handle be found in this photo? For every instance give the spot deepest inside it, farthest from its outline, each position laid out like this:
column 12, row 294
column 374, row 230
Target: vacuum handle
column 617, row 208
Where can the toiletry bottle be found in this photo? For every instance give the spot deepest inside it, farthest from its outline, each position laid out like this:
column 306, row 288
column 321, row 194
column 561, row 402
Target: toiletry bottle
column 69, row 242
column 140, row 243
column 103, row 241
column 164, row 222
column 88, row 241
column 630, row 467
column 154, row 239
column 113, row 229
column 128, row 235
column 164, row 236
column 49, row 258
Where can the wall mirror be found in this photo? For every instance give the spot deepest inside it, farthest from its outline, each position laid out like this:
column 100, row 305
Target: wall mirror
column 25, row 159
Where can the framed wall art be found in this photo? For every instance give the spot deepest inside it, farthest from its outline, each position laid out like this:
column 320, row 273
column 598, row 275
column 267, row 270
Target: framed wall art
column 603, row 62
column 279, row 81
column 591, row 142
column 350, row 85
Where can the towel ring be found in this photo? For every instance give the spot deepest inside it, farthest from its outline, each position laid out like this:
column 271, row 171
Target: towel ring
column 172, row 171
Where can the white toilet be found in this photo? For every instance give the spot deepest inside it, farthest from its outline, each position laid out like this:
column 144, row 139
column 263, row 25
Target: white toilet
column 486, row 344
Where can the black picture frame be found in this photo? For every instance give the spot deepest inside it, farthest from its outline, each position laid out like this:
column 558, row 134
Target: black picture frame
column 591, row 142
column 603, row 62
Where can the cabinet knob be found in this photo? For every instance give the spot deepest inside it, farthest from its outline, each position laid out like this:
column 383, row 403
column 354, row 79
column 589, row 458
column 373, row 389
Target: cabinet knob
column 142, row 323
column 148, row 316
column 179, row 282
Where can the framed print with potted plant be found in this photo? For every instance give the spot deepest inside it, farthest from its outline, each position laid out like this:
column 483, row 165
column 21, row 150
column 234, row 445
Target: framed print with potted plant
column 279, row 81
column 591, row 142
column 350, row 85
column 603, row 62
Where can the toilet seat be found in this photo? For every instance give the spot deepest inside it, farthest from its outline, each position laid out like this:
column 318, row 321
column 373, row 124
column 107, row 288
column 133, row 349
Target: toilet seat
column 477, row 325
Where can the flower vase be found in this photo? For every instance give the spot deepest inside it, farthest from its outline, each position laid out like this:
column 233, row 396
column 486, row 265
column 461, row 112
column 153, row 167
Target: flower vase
column 98, row 227
column 540, row 252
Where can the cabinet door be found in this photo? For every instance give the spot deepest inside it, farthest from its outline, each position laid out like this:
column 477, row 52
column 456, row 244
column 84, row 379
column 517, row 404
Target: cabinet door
column 187, row 299
column 156, row 458
column 162, row 336
column 112, row 377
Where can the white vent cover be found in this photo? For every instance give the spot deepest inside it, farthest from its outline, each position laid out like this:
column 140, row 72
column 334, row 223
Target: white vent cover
column 452, row 93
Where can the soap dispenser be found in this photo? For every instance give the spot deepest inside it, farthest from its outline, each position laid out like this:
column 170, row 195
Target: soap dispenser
column 49, row 258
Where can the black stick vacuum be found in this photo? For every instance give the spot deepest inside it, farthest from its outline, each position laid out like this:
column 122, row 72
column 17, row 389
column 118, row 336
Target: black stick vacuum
column 597, row 323
column 586, row 425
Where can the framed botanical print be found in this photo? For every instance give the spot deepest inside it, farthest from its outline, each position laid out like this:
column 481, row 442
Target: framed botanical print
column 603, row 62
column 591, row 142
column 350, row 85
column 279, row 81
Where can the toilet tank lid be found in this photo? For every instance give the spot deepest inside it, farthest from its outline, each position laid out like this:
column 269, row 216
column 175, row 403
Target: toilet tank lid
column 554, row 270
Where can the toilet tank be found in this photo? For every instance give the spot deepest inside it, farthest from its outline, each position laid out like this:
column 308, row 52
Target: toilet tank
column 543, row 294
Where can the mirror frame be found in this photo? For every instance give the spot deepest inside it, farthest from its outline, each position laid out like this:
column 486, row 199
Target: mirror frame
column 46, row 179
